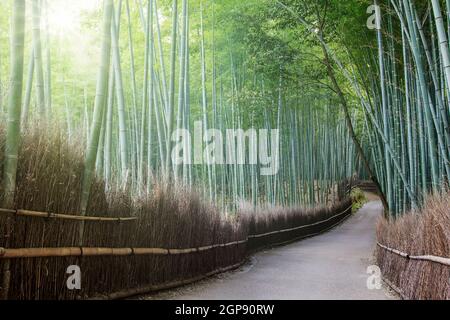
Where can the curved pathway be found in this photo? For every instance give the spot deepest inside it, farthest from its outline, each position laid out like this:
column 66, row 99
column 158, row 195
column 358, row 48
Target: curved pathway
column 329, row 266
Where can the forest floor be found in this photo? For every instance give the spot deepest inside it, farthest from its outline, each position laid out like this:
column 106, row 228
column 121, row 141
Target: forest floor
column 329, row 266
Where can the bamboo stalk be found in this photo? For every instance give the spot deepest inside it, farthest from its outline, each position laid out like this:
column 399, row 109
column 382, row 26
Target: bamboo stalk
column 100, row 100
column 37, row 49
column 28, row 90
column 13, row 128
column 171, row 107
column 120, row 97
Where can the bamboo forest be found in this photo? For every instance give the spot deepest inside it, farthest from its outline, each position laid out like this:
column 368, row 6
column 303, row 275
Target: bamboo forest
column 146, row 145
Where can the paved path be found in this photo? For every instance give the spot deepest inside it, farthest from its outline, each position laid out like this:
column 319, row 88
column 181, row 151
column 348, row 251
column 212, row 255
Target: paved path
column 329, row 266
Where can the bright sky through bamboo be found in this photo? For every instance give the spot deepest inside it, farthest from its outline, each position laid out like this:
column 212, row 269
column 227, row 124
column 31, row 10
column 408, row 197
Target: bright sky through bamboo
column 65, row 16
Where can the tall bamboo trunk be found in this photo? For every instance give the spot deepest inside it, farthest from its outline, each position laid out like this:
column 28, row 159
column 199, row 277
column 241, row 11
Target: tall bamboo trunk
column 28, row 90
column 100, row 99
column 13, row 127
column 37, row 49
column 170, row 115
column 120, row 100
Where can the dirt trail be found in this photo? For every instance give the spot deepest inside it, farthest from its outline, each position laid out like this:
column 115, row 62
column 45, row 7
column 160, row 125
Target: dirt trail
column 329, row 266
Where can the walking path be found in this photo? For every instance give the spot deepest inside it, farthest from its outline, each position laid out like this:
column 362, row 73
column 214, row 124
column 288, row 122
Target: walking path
column 329, row 266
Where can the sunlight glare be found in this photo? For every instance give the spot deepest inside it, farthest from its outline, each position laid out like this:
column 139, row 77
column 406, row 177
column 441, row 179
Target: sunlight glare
column 65, row 16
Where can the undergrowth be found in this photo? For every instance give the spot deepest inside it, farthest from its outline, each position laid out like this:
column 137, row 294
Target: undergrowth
column 359, row 199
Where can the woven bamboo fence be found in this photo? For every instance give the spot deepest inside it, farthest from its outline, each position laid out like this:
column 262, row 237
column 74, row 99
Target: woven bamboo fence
column 116, row 259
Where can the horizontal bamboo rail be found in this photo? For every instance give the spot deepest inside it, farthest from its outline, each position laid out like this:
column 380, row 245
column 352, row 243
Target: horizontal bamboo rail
column 91, row 252
column 300, row 227
column 81, row 251
column 430, row 258
column 38, row 214
column 306, row 236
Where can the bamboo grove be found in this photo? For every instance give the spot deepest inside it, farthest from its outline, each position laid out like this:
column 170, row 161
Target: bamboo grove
column 407, row 109
column 397, row 76
column 162, row 66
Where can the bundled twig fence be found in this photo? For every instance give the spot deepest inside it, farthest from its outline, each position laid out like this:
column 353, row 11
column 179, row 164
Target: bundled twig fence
column 440, row 260
column 428, row 258
column 87, row 251
column 413, row 251
column 441, row 264
column 140, row 262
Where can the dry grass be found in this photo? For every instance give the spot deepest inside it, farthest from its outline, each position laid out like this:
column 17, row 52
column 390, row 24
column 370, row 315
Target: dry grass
column 49, row 180
column 266, row 220
column 418, row 233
